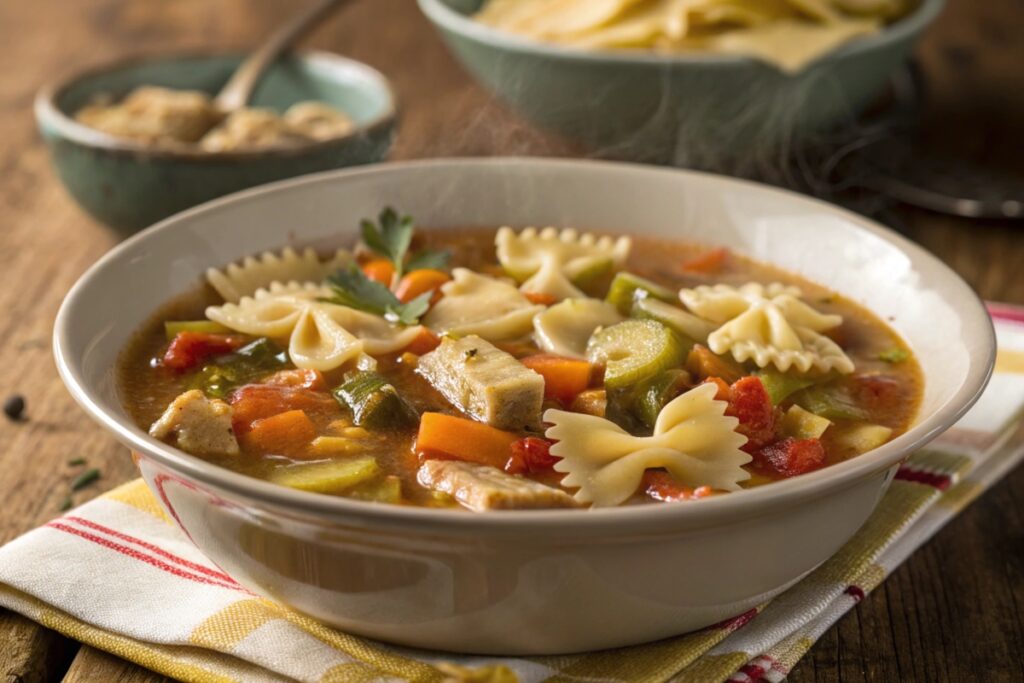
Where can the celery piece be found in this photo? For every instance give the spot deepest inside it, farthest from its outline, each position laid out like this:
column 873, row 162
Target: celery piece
column 375, row 403
column 683, row 322
column 386, row 490
column 802, row 424
column 593, row 271
column 627, row 288
column 894, row 355
column 173, row 327
column 781, row 385
column 328, row 477
column 655, row 393
column 831, row 402
column 864, row 437
column 634, row 351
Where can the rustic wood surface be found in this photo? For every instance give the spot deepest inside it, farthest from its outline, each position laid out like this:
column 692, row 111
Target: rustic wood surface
column 954, row 611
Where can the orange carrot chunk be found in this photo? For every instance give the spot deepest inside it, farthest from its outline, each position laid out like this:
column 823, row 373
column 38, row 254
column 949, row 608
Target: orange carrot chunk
column 424, row 342
column 379, row 270
column 419, row 282
column 708, row 263
column 456, row 438
column 288, row 433
column 540, row 298
column 564, row 378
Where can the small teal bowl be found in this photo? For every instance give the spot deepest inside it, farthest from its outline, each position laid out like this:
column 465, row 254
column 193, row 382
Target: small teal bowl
column 128, row 185
column 689, row 109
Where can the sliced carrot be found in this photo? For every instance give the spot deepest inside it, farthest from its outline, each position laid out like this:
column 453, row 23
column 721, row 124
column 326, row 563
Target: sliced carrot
column 257, row 401
column 540, row 298
column 447, row 436
column 708, row 263
column 424, row 342
column 703, row 364
column 723, row 388
column 379, row 270
column 564, row 378
column 288, row 433
column 420, row 281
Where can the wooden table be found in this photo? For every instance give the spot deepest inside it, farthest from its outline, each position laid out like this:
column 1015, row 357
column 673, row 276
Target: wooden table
column 954, row 611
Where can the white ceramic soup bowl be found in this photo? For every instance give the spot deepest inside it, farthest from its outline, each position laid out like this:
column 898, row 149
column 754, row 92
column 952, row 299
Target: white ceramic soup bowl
column 525, row 582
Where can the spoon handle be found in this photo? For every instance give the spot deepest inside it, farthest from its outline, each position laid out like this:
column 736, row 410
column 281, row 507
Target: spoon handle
column 236, row 92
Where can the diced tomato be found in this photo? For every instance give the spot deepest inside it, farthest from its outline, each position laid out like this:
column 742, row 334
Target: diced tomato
column 258, row 401
column 540, row 298
column 300, row 379
column 708, row 263
column 662, row 486
column 749, row 401
column 878, row 394
column 190, row 349
column 531, row 455
column 790, row 457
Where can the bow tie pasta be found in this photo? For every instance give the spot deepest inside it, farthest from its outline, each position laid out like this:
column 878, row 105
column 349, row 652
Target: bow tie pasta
column 565, row 328
column 256, row 272
column 768, row 324
column 693, row 440
column 321, row 336
column 557, row 262
column 485, row 306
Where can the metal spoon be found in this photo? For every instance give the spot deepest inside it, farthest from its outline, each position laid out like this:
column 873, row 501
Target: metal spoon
column 237, row 92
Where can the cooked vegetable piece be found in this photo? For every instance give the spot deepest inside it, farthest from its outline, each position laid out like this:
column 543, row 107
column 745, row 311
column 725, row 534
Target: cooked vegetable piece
column 485, row 382
column 424, row 342
column 781, row 385
column 540, row 298
column 801, row 424
column 591, row 402
column 655, row 393
column 864, row 437
column 258, row 401
column 627, row 288
column 354, row 289
column 831, row 401
column 790, row 457
column 173, row 327
column 481, row 487
column 380, row 271
column 634, row 351
column 420, row 282
column 448, row 436
column 662, row 486
column 289, row 433
column 894, row 355
column 749, row 401
column 375, row 402
column 335, row 476
column 685, row 323
column 330, row 446
column 708, row 263
column 702, row 363
column 531, row 455
column 246, row 364
column 564, row 378
column 189, row 349
column 299, row 378
column 386, row 490
column 199, row 425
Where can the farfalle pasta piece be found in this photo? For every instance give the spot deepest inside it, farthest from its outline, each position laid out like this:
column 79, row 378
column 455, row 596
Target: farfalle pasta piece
column 554, row 262
column 693, row 439
column 321, row 336
column 485, row 306
column 565, row 328
column 770, row 325
column 237, row 280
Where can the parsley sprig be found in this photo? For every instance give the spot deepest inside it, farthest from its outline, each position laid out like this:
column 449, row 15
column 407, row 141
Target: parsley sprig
column 391, row 237
column 353, row 289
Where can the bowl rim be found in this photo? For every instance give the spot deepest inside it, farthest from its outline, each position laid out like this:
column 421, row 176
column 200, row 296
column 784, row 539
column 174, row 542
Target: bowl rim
column 634, row 520
column 441, row 14
column 49, row 114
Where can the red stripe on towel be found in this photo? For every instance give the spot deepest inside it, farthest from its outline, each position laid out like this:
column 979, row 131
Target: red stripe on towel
column 1005, row 312
column 855, row 592
column 939, row 481
column 137, row 555
column 153, row 548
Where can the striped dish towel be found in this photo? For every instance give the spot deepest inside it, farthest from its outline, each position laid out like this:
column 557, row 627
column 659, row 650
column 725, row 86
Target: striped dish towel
column 117, row 575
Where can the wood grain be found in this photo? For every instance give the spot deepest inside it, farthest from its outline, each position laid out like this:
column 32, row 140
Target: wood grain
column 952, row 612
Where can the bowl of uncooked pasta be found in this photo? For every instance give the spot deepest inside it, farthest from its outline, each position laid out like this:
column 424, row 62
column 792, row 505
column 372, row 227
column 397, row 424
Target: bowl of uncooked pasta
column 692, row 82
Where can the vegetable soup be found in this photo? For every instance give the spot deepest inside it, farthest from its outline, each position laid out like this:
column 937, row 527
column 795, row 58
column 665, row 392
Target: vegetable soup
column 516, row 369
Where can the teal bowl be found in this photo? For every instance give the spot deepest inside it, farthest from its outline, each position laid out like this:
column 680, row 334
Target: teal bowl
column 688, row 109
column 128, row 185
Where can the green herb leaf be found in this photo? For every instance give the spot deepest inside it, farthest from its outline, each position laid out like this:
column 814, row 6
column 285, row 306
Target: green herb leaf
column 84, row 479
column 76, row 461
column 429, row 259
column 353, row 289
column 390, row 236
column 66, row 504
column 893, row 355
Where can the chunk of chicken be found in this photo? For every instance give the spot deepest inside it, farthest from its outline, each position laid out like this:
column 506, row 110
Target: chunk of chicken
column 485, row 382
column 482, row 487
column 198, row 425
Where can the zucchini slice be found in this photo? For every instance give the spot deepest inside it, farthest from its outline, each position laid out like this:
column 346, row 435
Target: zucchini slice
column 634, row 351
column 375, row 403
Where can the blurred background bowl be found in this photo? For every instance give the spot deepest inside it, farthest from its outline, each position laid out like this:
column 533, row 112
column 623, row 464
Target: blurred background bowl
column 698, row 110
column 128, row 185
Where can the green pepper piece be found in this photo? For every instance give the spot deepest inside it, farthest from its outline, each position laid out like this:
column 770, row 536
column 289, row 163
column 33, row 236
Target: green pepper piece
column 654, row 394
column 830, row 401
column 781, row 385
column 626, row 288
column 173, row 327
column 228, row 372
column 374, row 402
column 634, row 351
